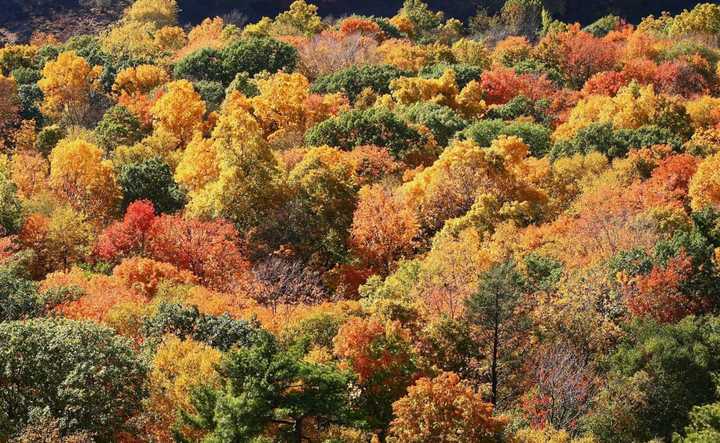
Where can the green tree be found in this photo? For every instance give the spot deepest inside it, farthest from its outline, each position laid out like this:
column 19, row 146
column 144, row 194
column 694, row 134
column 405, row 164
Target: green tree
column 11, row 215
column 80, row 373
column 494, row 312
column 151, row 180
column 19, row 298
column 255, row 55
column 268, row 387
column 353, row 80
column 374, row 126
column 203, row 64
column 118, row 127
column 670, row 368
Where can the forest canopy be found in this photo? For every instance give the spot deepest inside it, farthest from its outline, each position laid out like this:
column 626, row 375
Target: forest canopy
column 405, row 228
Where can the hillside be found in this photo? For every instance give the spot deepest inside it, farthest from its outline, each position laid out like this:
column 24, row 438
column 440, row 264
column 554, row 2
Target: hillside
column 288, row 223
column 71, row 17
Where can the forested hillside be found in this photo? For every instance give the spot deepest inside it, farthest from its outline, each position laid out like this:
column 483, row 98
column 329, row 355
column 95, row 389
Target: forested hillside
column 403, row 229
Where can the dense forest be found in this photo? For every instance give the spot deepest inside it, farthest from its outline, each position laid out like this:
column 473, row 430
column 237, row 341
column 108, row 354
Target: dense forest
column 405, row 228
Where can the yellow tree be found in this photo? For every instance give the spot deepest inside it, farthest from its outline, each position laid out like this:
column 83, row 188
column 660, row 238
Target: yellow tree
column 178, row 367
column 156, row 12
column 79, row 175
column 705, row 184
column 9, row 106
column 444, row 409
column 179, row 111
column 67, row 84
column 139, row 79
column 245, row 184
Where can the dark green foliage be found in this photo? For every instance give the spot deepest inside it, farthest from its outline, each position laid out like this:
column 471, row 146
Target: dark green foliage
column 602, row 26
column 255, row 55
column 464, row 74
column 11, row 214
column 704, row 424
column 536, row 136
column 632, row 263
column 521, row 106
column 536, row 67
column 243, row 83
column 213, row 93
column 374, row 126
column 602, row 137
column 118, row 127
column 222, row 332
column 316, row 331
column 30, row 98
column 19, row 298
column 264, row 387
column 493, row 309
column 151, row 180
column 26, row 76
column 671, row 367
column 89, row 48
column 48, row 138
column 442, row 121
column 79, row 373
column 203, row 64
column 543, row 273
column 353, row 80
column 390, row 30
column 647, row 136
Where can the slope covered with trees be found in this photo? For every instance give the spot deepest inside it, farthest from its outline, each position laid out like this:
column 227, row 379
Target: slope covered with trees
column 401, row 229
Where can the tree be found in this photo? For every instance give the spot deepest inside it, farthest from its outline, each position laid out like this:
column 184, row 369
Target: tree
column 19, row 299
column 210, row 250
column 180, row 111
column 287, row 282
column 255, row 55
column 444, row 408
column 355, row 79
column 145, row 275
column 140, row 79
column 188, row 323
column 301, row 18
column 442, row 121
column 92, row 379
column 320, row 211
column 704, row 186
column 658, row 365
column 9, row 106
column 150, row 180
column 11, row 215
column 117, row 127
column 79, row 175
column 494, row 310
column 129, row 236
column 68, row 84
column 381, row 357
column 383, row 228
column 159, row 13
column 374, row 126
column 265, row 388
column 234, row 174
column 59, row 240
column 178, row 367
column 203, row 64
